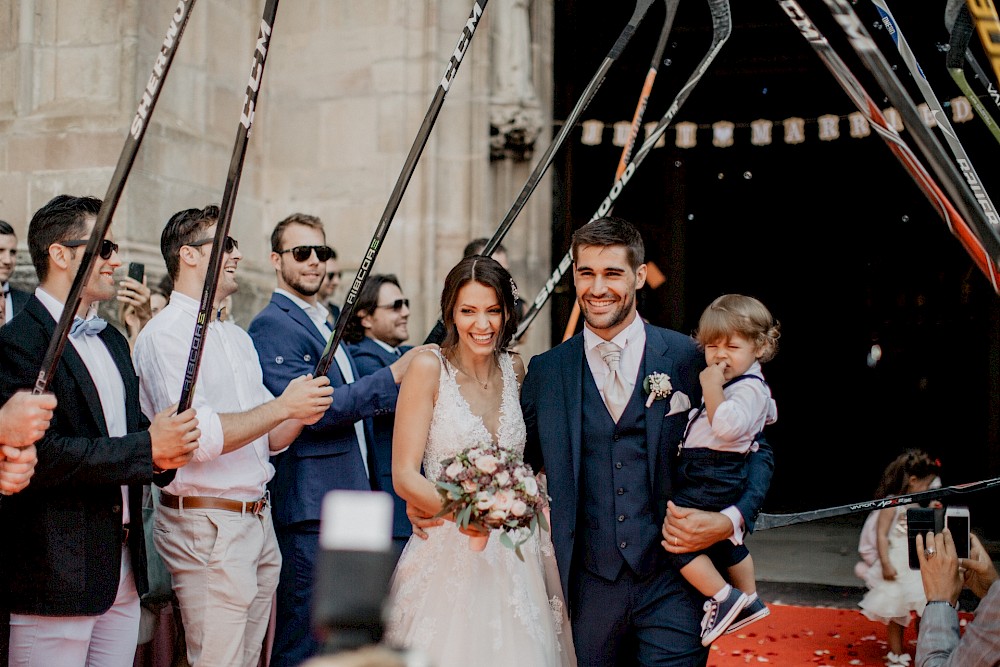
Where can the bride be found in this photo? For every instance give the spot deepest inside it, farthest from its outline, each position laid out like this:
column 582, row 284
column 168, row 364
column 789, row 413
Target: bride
column 454, row 604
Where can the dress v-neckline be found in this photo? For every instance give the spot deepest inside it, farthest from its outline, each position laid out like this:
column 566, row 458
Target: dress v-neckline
column 494, row 437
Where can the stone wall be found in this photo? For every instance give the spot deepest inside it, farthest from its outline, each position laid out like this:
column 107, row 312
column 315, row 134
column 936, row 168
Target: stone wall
column 346, row 86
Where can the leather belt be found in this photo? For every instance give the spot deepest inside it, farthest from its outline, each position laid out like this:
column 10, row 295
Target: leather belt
column 254, row 507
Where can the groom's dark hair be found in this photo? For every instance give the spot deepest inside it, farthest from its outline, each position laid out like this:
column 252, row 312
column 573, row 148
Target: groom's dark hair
column 611, row 231
column 486, row 271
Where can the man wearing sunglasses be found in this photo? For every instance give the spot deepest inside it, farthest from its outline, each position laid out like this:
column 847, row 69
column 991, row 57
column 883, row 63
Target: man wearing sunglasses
column 290, row 335
column 376, row 334
column 214, row 527
column 329, row 287
column 74, row 559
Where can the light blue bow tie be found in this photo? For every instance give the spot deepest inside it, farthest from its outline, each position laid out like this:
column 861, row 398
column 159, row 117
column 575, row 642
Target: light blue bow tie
column 91, row 327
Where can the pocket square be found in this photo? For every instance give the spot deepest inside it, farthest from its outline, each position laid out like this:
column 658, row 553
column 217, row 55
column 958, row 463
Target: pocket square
column 679, row 402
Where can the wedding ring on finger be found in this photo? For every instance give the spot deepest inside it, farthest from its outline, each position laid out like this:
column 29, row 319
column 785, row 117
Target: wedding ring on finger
column 930, row 551
column 675, row 540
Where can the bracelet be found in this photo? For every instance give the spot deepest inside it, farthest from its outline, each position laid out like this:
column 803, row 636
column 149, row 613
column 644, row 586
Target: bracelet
column 953, row 606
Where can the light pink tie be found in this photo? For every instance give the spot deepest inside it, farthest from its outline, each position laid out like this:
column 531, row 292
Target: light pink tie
column 616, row 389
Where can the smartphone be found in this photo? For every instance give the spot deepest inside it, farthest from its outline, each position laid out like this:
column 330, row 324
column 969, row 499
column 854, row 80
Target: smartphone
column 136, row 270
column 956, row 519
column 920, row 521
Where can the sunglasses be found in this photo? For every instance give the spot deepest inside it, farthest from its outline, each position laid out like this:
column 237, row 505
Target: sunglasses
column 301, row 253
column 332, row 275
column 104, row 252
column 230, row 244
column 397, row 305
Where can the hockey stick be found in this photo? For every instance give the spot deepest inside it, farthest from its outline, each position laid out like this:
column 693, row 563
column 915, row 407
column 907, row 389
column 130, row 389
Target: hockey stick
column 206, row 308
column 722, row 26
column 952, row 11
column 766, row 521
column 986, row 225
column 866, row 105
column 961, row 34
column 954, row 144
column 397, row 193
column 641, row 8
column 984, row 12
column 633, row 133
column 137, row 130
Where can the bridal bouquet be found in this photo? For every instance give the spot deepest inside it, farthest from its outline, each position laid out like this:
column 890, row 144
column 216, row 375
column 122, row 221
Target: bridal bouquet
column 496, row 489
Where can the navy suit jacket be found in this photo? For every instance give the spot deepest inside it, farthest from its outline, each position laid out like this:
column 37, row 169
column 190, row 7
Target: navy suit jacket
column 552, row 402
column 326, row 455
column 370, row 357
column 61, row 554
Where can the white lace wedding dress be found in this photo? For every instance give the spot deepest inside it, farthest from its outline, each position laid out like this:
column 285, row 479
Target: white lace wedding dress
column 461, row 607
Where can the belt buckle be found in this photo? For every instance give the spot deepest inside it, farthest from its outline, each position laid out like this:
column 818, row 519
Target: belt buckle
column 257, row 507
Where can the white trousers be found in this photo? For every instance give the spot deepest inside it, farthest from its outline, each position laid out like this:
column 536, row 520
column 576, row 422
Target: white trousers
column 107, row 640
column 225, row 568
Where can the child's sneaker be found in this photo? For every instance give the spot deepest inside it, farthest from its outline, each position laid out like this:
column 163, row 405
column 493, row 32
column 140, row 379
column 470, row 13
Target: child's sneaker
column 754, row 611
column 718, row 615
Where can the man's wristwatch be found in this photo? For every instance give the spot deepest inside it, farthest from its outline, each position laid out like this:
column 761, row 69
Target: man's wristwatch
column 953, row 606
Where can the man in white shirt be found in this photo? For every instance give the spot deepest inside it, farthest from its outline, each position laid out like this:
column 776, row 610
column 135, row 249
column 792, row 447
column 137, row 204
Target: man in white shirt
column 213, row 522
column 290, row 335
column 76, row 564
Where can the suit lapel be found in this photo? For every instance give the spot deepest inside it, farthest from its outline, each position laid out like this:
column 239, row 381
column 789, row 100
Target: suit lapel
column 299, row 315
column 118, row 348
column 73, row 363
column 654, row 361
column 572, row 381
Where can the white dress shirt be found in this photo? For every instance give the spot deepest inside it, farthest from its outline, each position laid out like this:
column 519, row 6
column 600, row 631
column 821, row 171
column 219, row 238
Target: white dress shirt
column 632, row 341
column 229, row 381
column 8, row 300
column 318, row 315
column 385, row 346
column 103, row 372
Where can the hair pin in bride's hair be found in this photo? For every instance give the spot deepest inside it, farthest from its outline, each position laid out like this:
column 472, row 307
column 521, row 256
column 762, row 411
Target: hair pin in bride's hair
column 513, row 289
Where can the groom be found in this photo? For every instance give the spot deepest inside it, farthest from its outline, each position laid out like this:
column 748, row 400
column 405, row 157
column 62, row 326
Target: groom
column 608, row 459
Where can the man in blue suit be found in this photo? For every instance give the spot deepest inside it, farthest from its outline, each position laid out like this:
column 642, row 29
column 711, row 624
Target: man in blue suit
column 376, row 334
column 608, row 451
column 335, row 453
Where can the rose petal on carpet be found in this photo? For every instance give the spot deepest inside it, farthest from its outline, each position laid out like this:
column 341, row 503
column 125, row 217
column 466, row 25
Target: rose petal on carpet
column 816, row 636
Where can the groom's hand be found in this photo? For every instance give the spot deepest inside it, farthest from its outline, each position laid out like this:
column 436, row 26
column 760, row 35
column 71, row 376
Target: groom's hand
column 686, row 529
column 420, row 519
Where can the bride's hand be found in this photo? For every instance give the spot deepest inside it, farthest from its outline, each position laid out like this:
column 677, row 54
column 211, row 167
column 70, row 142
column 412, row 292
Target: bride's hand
column 420, row 520
column 474, row 530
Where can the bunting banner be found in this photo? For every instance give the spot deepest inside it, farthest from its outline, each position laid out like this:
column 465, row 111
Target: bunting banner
column 763, row 132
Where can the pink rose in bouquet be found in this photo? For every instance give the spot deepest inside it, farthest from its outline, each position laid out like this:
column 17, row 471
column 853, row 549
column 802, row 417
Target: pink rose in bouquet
column 496, row 489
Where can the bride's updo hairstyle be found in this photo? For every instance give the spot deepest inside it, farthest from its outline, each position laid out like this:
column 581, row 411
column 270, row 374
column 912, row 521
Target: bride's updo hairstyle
column 485, row 271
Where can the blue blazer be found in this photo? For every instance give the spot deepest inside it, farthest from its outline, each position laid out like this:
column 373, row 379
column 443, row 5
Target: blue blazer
column 326, row 455
column 552, row 399
column 371, row 357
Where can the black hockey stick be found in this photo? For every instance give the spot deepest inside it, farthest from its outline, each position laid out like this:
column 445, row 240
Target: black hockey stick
column 940, row 115
column 866, row 105
column 960, row 27
column 397, row 193
column 986, row 225
column 633, row 131
column 206, row 308
column 641, row 8
column 766, row 521
column 137, row 130
column 722, row 27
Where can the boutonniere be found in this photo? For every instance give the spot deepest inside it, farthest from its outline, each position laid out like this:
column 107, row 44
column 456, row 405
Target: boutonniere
column 657, row 386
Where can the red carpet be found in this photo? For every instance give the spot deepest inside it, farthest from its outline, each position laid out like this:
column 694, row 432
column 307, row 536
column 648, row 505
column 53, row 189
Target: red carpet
column 814, row 636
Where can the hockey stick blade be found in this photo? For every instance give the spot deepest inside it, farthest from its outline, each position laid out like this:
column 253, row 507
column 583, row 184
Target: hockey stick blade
column 958, row 46
column 767, row 521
